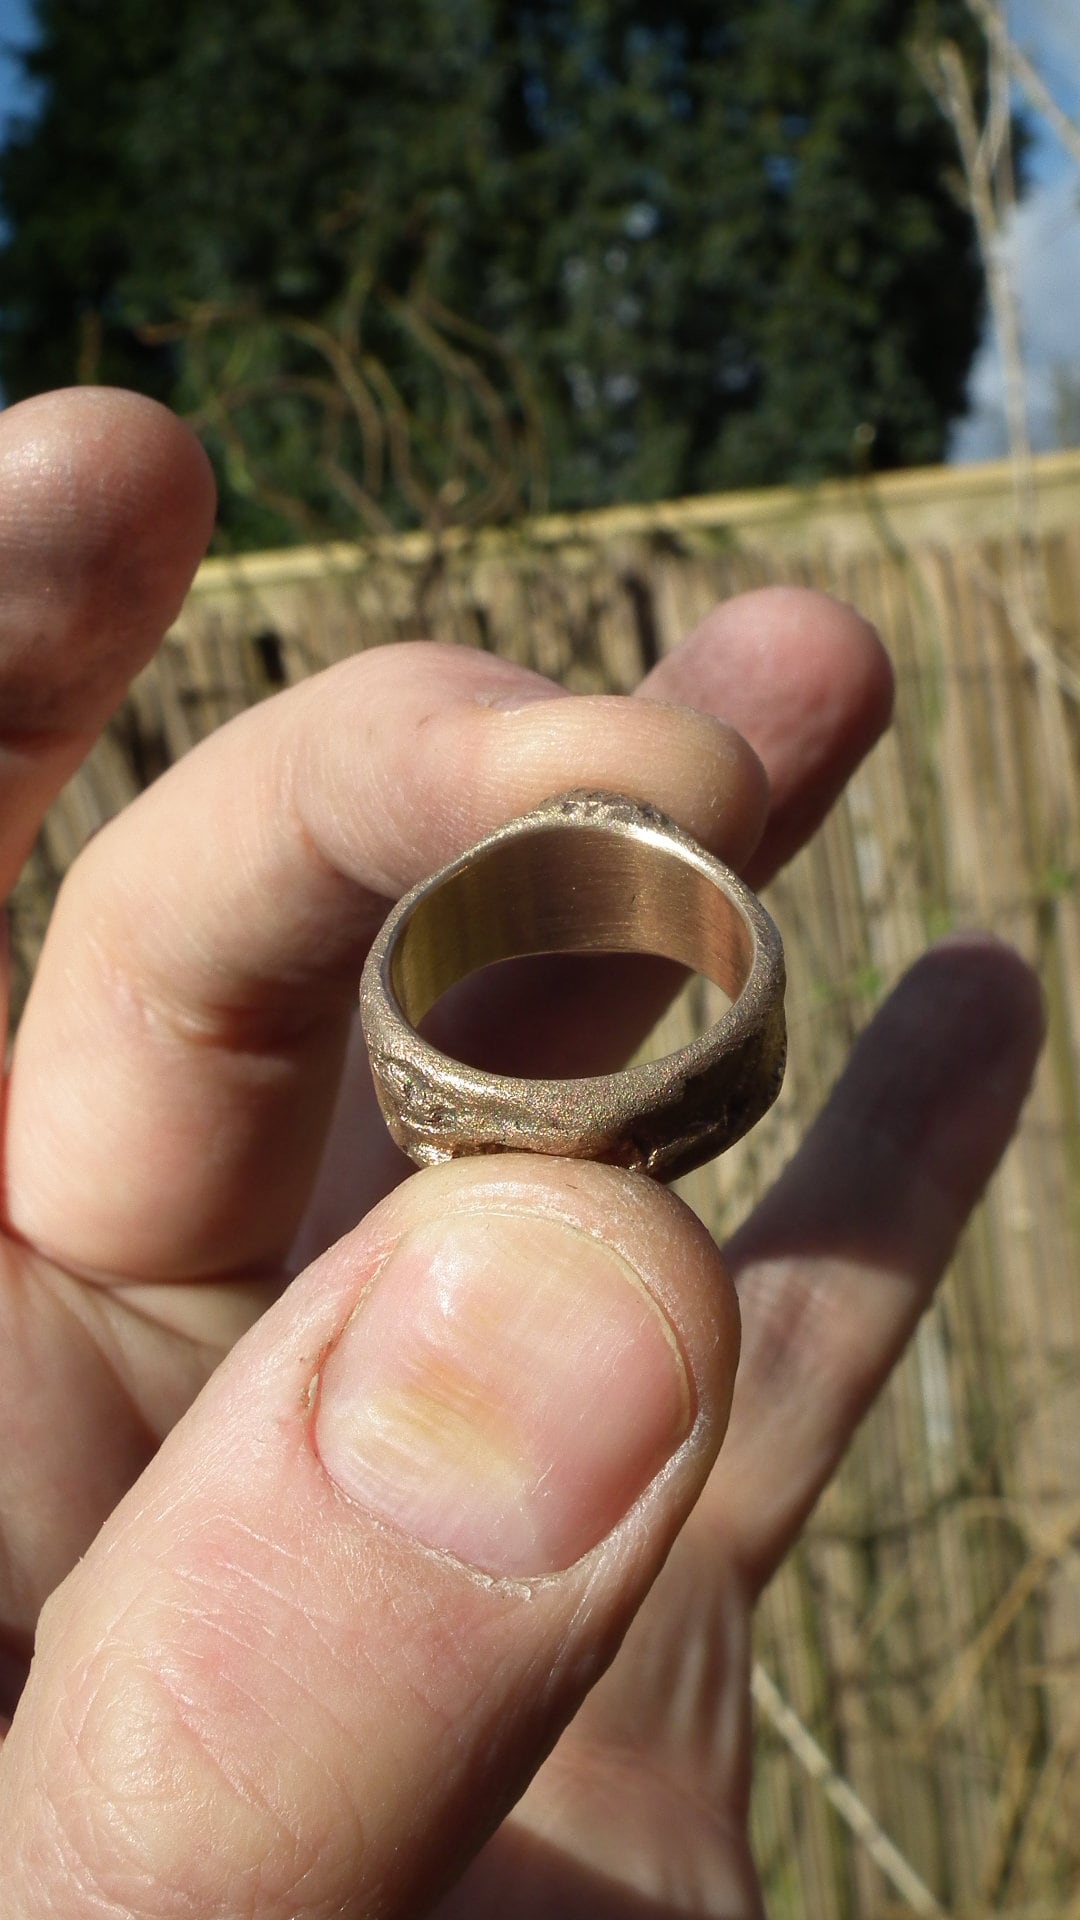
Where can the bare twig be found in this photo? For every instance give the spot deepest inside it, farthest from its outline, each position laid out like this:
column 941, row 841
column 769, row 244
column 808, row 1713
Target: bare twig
column 842, row 1797
column 1033, row 641
column 477, row 461
column 356, row 390
column 986, row 157
column 1027, row 79
column 966, row 1669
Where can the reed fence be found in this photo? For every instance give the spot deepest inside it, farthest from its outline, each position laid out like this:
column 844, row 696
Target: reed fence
column 919, row 1658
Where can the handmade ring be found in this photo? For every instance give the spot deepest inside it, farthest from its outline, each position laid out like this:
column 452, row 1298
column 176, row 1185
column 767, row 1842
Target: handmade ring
column 585, row 872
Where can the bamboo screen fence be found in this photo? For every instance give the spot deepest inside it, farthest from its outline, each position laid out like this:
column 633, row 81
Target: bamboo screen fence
column 919, row 1661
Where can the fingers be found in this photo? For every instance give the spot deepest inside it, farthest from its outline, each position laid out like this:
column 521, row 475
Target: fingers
column 808, row 684
column 203, row 1111
column 5, row 982
column 346, row 1611
column 839, row 1261
column 194, row 996
column 106, row 507
column 806, row 681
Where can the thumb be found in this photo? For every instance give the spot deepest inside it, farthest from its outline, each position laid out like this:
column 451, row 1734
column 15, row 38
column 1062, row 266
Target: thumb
column 317, row 1652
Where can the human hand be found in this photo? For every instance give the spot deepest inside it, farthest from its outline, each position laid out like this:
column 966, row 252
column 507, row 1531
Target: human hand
column 444, row 1599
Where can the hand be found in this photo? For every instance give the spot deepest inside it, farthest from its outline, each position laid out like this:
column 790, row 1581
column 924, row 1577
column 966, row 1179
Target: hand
column 317, row 1588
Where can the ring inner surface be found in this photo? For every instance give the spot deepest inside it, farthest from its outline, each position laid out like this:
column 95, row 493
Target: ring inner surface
column 573, row 890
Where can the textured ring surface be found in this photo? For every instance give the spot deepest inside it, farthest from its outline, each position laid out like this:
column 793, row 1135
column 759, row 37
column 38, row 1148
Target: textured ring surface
column 584, row 872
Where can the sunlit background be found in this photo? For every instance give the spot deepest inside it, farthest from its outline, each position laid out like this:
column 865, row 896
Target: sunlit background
column 1044, row 254
column 1043, row 246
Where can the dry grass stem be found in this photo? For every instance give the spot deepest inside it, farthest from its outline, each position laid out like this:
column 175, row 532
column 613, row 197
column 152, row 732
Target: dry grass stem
column 842, row 1797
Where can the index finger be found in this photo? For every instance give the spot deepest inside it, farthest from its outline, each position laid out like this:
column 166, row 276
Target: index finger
column 106, row 507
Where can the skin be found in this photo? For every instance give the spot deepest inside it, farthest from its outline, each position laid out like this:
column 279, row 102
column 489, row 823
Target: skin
column 251, row 1695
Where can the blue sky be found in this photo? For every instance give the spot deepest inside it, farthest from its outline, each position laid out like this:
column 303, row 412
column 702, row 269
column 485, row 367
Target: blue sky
column 1048, row 31
column 1044, row 247
column 16, row 29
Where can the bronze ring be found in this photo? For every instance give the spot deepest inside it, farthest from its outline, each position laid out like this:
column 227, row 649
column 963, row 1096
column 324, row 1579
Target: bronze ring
column 585, row 872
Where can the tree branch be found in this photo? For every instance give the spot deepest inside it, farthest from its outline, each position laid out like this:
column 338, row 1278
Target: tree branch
column 1027, row 79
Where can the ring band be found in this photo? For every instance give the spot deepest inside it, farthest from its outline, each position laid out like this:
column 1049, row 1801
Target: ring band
column 584, row 872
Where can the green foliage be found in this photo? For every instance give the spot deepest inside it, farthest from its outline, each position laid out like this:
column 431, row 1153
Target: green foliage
column 706, row 243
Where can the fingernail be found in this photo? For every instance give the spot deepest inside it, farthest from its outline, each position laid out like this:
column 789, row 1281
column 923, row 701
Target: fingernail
column 505, row 1391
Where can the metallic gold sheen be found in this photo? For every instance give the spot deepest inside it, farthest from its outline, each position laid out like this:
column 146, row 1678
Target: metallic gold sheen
column 585, row 872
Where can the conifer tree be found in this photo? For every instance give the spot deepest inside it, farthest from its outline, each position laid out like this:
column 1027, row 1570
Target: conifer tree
column 383, row 251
